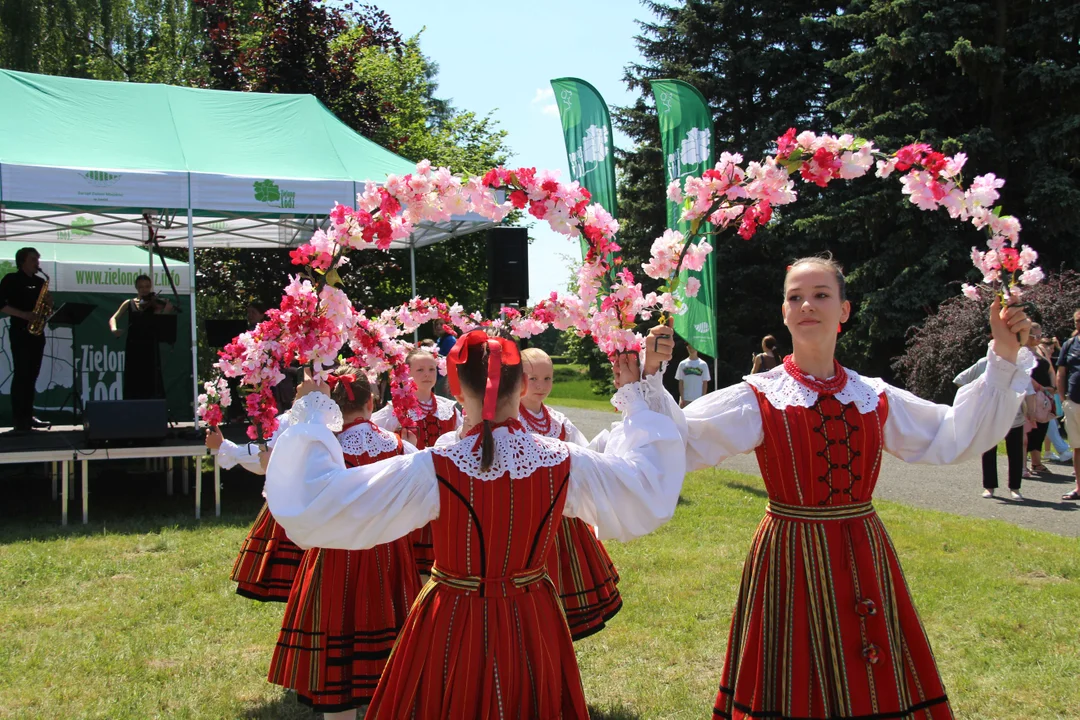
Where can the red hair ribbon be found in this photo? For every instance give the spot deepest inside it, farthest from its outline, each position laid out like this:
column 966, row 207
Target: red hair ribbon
column 500, row 352
column 333, row 381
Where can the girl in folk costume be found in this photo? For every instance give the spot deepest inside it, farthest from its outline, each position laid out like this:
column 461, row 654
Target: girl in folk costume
column 347, row 606
column 266, row 565
column 824, row 625
column 578, row 565
column 487, row 637
column 437, row 416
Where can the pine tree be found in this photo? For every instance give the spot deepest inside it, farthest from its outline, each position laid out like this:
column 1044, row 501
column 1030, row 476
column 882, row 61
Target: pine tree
column 762, row 68
column 996, row 80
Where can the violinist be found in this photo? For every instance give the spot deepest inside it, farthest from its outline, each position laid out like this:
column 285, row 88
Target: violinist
column 143, row 378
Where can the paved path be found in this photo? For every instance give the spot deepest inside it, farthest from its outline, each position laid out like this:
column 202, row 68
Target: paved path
column 955, row 489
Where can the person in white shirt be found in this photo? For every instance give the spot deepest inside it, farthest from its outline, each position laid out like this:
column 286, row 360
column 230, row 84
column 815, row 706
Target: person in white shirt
column 693, row 376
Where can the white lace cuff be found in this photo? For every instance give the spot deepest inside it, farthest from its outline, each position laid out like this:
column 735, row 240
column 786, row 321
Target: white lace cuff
column 630, row 398
column 656, row 395
column 318, row 409
column 1004, row 374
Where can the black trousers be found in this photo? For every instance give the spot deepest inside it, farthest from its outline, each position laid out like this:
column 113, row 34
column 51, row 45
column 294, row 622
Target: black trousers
column 1014, row 448
column 26, row 353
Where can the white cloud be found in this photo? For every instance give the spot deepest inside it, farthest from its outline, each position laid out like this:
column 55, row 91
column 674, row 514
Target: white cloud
column 551, row 109
column 543, row 95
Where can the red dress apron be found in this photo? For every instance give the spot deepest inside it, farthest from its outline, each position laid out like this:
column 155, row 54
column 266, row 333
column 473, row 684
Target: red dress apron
column 343, row 616
column 487, row 637
column 579, row 565
column 824, row 626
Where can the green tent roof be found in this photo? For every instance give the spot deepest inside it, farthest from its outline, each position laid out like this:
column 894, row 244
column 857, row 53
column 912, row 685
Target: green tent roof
column 70, row 122
column 256, row 170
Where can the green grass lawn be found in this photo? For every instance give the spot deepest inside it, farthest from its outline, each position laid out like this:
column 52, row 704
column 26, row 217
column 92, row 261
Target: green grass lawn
column 136, row 618
column 577, row 392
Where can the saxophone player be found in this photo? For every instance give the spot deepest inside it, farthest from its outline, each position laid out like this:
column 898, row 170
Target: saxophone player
column 19, row 294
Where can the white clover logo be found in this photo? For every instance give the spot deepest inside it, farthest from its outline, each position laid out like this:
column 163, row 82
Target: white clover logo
column 594, row 147
column 695, row 148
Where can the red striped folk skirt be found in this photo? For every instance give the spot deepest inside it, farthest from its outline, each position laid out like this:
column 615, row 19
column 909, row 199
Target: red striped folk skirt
column 267, row 563
column 423, row 548
column 824, row 627
column 584, row 577
column 343, row 616
column 463, row 653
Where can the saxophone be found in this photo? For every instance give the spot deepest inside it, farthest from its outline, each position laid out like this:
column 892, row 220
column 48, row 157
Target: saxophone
column 41, row 308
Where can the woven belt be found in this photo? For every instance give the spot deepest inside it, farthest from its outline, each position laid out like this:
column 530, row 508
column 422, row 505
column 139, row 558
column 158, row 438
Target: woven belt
column 498, row 586
column 819, row 513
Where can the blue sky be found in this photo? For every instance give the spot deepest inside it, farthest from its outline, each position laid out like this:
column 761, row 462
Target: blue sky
column 501, row 57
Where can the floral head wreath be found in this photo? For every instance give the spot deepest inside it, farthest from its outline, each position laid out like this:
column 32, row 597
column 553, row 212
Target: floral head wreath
column 500, row 352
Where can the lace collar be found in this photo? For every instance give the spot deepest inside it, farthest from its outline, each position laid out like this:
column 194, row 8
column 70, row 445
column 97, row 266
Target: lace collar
column 444, row 409
column 783, row 391
column 517, row 452
column 365, row 438
column 553, row 431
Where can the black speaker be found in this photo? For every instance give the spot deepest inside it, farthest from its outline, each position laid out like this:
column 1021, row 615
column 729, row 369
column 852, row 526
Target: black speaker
column 508, row 266
column 125, row 420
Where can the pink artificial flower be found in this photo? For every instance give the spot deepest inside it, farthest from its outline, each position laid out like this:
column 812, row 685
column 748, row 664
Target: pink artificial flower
column 970, row 291
column 785, row 144
column 674, row 192
column 1032, row 276
column 885, row 167
column 693, row 287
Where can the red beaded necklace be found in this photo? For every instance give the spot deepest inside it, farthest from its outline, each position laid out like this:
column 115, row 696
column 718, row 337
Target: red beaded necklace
column 822, row 387
column 429, row 407
column 539, row 425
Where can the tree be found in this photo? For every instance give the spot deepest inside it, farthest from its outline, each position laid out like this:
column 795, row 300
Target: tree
column 291, row 46
column 955, row 336
column 762, row 68
column 135, row 40
column 423, row 126
column 996, row 80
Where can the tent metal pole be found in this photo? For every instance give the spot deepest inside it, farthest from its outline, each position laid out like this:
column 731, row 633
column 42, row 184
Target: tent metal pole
column 412, row 270
column 191, row 310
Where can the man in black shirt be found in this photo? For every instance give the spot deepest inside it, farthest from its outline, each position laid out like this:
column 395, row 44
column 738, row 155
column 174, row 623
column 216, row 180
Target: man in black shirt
column 18, row 296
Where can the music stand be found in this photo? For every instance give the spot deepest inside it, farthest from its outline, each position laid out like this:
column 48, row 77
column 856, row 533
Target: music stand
column 73, row 314
column 162, row 325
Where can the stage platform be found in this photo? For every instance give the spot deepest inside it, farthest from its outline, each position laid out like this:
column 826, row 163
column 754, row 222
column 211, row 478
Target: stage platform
column 62, row 448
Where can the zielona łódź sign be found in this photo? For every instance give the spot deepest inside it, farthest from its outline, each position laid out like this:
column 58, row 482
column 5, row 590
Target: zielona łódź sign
column 267, row 191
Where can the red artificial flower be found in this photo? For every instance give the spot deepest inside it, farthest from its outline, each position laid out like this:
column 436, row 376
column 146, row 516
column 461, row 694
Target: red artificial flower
column 910, row 155
column 786, row 144
column 492, row 178
column 934, row 162
column 537, row 209
column 586, row 194
column 549, row 186
column 299, row 256
column 519, row 199
column 339, row 213
column 1010, row 258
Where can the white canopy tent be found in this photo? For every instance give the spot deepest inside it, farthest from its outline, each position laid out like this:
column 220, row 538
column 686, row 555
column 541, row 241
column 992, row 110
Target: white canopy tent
column 93, row 162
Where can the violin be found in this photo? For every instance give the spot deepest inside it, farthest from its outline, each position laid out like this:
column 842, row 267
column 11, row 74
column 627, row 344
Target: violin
column 151, row 301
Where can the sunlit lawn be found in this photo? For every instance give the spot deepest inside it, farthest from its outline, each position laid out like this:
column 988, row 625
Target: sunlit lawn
column 136, row 618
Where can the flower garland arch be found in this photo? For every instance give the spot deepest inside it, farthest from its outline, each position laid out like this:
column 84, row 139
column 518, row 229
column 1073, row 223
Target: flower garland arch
column 315, row 317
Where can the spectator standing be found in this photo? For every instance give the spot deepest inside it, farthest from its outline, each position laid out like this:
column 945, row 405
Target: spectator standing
column 693, row 376
column 768, row 358
column 445, row 343
column 1042, row 401
column 1014, row 441
column 1068, row 386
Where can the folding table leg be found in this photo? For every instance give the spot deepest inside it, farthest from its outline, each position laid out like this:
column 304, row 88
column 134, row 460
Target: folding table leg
column 198, row 492
column 168, row 484
column 63, row 491
column 85, row 491
column 52, row 475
